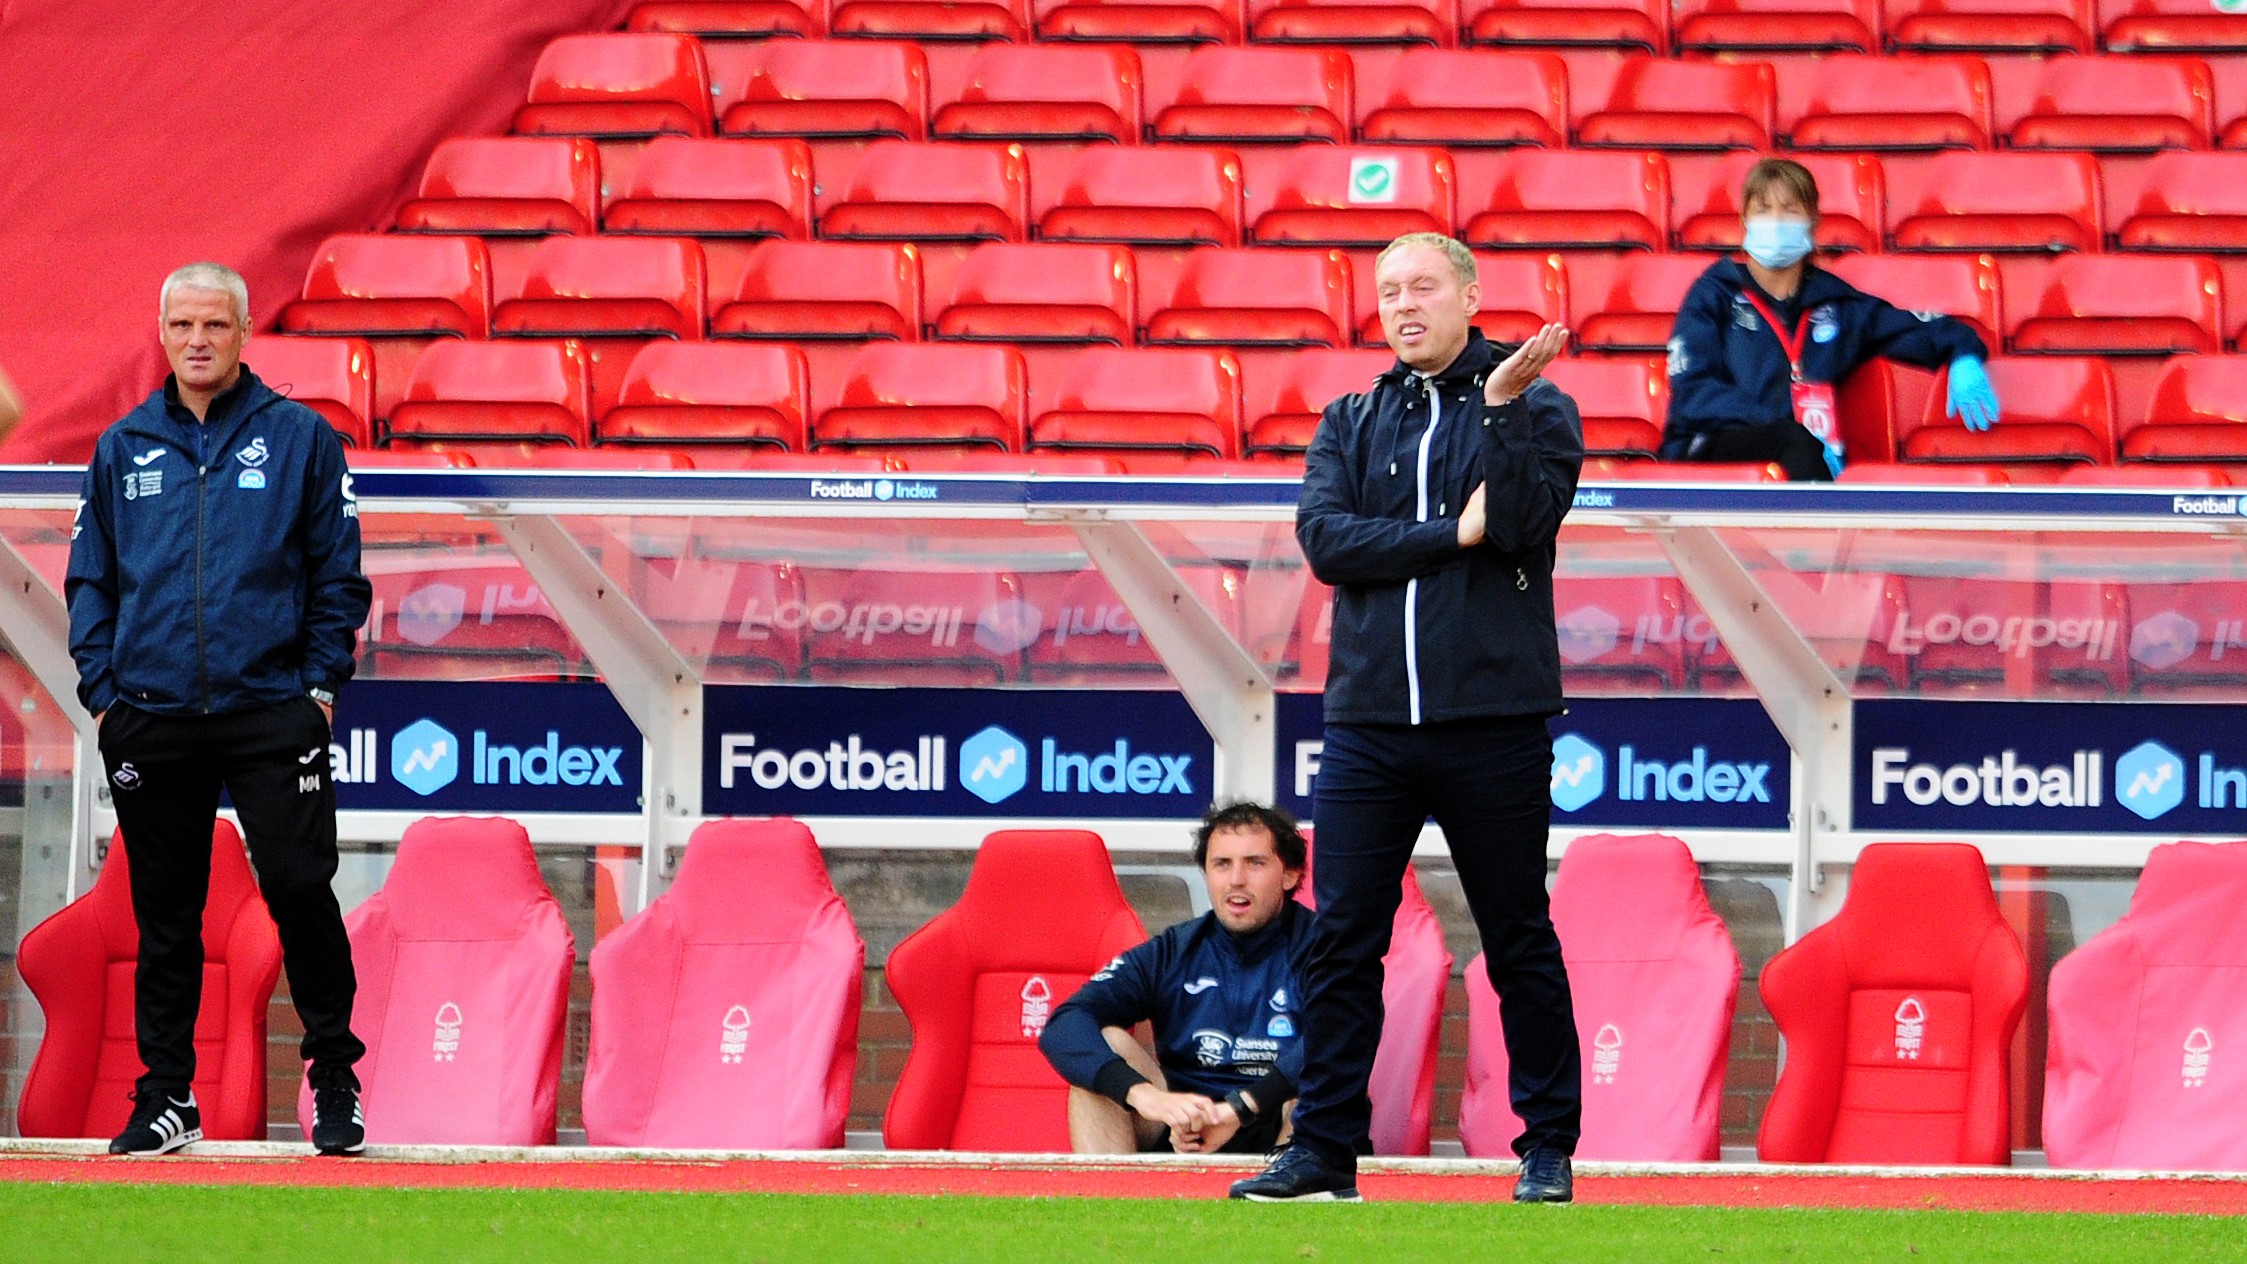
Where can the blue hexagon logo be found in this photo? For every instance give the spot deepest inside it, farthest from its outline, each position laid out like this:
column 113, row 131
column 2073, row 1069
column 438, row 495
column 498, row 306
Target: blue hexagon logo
column 424, row 757
column 1579, row 772
column 994, row 764
column 2149, row 780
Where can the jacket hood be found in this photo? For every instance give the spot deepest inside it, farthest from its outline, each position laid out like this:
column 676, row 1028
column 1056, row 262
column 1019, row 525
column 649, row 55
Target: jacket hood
column 1474, row 360
column 1818, row 285
column 153, row 418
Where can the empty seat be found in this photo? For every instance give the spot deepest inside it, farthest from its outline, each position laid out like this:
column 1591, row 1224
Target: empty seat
column 1991, row 26
column 1626, row 470
column 932, row 20
column 507, row 186
column 1895, row 103
column 464, row 964
column 1851, row 201
column 1035, row 93
column 1661, row 104
column 958, row 626
column 1086, row 634
column 1521, row 294
column 379, row 285
column 2143, row 475
column 2007, row 202
column 1307, row 383
column 1274, row 297
column 725, row 1016
column 824, row 290
column 1544, row 200
column 605, row 287
column 1142, row 21
column 2171, row 26
column 1631, row 25
column 334, row 377
column 1431, row 22
column 1622, row 401
column 1464, row 97
column 493, row 390
column 2187, row 201
column 1599, row 619
column 1329, row 196
column 1779, row 25
column 2056, row 409
column 902, row 191
column 1640, row 306
column 2198, row 413
column 716, row 188
column 79, row 965
column 1898, row 1016
column 618, row 86
column 1043, row 293
column 711, row 393
column 827, row 89
column 1259, row 95
column 1144, row 400
column 730, row 19
column 1961, row 286
column 939, row 395
column 2118, row 105
column 1148, row 196
column 1898, row 474
column 1041, row 913
column 2122, row 305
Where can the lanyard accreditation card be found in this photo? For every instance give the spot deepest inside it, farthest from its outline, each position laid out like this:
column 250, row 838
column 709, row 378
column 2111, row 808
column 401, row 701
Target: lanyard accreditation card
column 1813, row 401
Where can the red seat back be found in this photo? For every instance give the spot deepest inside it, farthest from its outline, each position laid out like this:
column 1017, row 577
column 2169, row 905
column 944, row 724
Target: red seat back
column 1779, row 25
column 1273, row 297
column 1622, row 401
column 1638, row 309
column 1148, row 195
column 1896, row 103
column 940, row 395
column 1662, row 104
column 1960, row 286
column 2198, row 413
column 1259, row 95
column 1629, row 25
column 2118, row 104
column 382, row 284
column 1112, row 399
column 824, row 290
column 730, row 19
column 1992, row 26
column 1045, row 92
column 2001, row 201
column 2171, row 26
column 2056, row 408
column 719, row 188
column 2123, row 305
column 1044, row 293
column 1471, row 97
column 1535, row 198
column 1308, row 382
column 507, row 186
column 1325, row 195
column 1146, row 21
column 488, row 390
column 334, row 377
column 1851, row 201
column 822, row 89
column 601, row 287
column 2187, row 201
column 905, row 191
column 705, row 392
column 79, row 966
column 618, row 86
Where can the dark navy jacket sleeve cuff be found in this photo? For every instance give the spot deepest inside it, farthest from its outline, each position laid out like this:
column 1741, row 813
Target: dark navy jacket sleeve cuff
column 1275, row 1090
column 1115, row 1082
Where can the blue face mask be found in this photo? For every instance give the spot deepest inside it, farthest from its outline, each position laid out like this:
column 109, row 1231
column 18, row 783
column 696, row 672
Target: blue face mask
column 1776, row 243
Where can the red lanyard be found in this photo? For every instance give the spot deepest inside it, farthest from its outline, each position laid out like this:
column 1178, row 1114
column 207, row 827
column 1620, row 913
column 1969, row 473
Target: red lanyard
column 1789, row 343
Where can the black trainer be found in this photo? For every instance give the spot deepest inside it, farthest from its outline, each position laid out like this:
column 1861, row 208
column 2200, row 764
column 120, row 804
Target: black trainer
column 1547, row 1176
column 338, row 1125
column 161, row 1123
column 1298, row 1176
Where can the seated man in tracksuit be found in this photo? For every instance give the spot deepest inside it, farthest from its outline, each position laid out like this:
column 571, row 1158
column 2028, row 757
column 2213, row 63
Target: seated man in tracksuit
column 1219, row 990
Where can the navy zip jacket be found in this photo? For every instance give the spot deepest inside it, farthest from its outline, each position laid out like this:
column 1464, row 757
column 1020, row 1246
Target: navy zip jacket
column 1223, row 1008
column 1728, row 369
column 214, row 566
column 1424, row 630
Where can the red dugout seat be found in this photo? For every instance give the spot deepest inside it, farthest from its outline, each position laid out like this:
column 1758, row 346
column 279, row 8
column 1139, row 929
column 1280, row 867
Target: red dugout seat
column 1562, row 199
column 820, row 88
column 1041, row 913
column 1630, row 25
column 824, row 291
column 507, row 186
column 1640, row 306
column 1089, row 636
column 903, row 191
column 1327, row 196
column 1291, row 298
column 1851, row 201
column 1142, row 21
column 1897, row 474
column 725, row 1016
column 1430, row 22
column 79, row 966
column 2198, row 413
column 730, row 19
column 1251, row 95
column 716, row 188
column 932, row 20
column 1661, row 104
column 1604, row 621
column 1045, row 93
column 956, row 628
column 603, row 287
column 1899, row 1016
column 1623, row 402
column 1963, row 286
column 1895, row 103
column 1654, row 977
column 935, row 395
column 332, row 376
column 1148, row 196
column 495, row 390
column 1145, row 400
column 711, row 393
column 377, row 285
column 1521, row 293
column 622, row 86
column 1779, row 26
column 2004, row 202
column 2056, row 409
column 2123, row 305
column 1991, row 26
column 1044, row 293
column 2118, row 104
column 2187, row 201
column 1308, row 382
column 1460, row 97
column 2170, row 26
column 464, row 965
column 2142, row 1069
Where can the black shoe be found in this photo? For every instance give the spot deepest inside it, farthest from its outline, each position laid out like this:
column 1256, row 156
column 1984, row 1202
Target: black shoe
column 338, row 1125
column 1298, row 1176
column 161, row 1123
column 1547, row 1176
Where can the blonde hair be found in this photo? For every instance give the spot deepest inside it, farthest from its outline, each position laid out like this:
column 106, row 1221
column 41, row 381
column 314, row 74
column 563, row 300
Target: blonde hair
column 1462, row 259
column 207, row 276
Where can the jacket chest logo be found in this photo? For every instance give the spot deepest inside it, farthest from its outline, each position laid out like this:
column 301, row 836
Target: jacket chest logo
column 145, row 482
column 252, row 457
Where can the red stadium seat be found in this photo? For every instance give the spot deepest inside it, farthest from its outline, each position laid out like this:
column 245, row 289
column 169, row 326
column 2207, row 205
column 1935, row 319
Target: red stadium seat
column 597, row 287
column 2118, row 105
column 1963, row 286
column 1623, row 470
column 1631, row 25
column 1045, row 93
column 1044, row 293
column 716, row 188
column 622, row 86
column 1325, row 195
column 725, row 1016
column 1266, row 95
column 934, row 395
column 1430, row 22
column 904, row 191
column 378, row 285
column 1148, row 196
column 938, row 639
column 1446, row 97
column 534, row 456
column 711, row 393
column 2170, row 26
column 716, row 20
column 1142, row 21
column 495, row 390
column 1623, row 402
column 1640, row 307
column 2143, row 475
column 2007, row 202
column 932, row 20
column 332, row 376
column 2122, row 305
column 734, row 608
column 464, row 964
column 1991, row 26
column 820, row 88
column 2198, row 413
column 1041, row 913
column 1895, row 474
column 1896, row 103
column 1534, row 199
column 1779, row 26
column 1654, row 977
column 1601, row 621
column 2144, row 1021
column 824, row 290
column 1307, row 383
column 1851, row 201
column 507, row 186
column 463, row 616
column 1292, row 298
column 2194, row 202
column 1120, row 402
column 1085, row 634
column 2055, row 409
column 1521, row 293
column 1898, row 1016
column 79, row 965
column 980, row 461
column 1663, row 104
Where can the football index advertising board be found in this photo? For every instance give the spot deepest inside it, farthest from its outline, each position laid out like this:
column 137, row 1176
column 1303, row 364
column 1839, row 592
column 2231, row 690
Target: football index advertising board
column 485, row 746
column 805, row 750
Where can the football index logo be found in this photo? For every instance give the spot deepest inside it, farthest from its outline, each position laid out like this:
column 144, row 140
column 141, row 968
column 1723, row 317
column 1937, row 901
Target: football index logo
column 424, row 757
column 994, row 764
column 1579, row 772
column 2149, row 780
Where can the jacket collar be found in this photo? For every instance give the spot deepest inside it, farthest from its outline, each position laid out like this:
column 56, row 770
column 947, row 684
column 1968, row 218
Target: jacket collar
column 1471, row 366
column 1818, row 285
column 1272, row 936
column 162, row 416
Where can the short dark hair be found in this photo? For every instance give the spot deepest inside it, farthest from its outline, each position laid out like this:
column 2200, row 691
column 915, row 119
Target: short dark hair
column 1247, row 814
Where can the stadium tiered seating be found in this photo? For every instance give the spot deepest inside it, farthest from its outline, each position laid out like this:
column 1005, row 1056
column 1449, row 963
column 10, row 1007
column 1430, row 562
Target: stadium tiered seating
column 824, row 291
column 1622, row 402
column 1432, row 22
column 1148, row 196
column 1654, row 977
column 730, row 19
column 605, row 287
column 2170, row 26
column 1138, row 404
column 715, row 188
column 79, row 966
column 618, row 87
column 2000, row 202
column 1143, row 21
column 1268, row 297
column 2121, row 305
column 1661, row 104
column 685, row 393
column 1961, row 286
column 1631, row 25
column 1563, row 199
column 2198, row 413
column 2118, row 105
column 931, row 19
column 820, row 89
column 1639, row 306
column 1778, row 26
column 332, row 376
column 1328, row 196
column 1459, row 97
column 904, row 191
column 374, row 285
column 1258, row 96
column 1892, row 103
column 725, row 1016
column 2187, row 201
column 2057, row 409
column 517, row 391
column 930, row 395
column 1992, row 26
column 1031, row 93
column 507, row 187
column 1043, row 293
column 1309, row 381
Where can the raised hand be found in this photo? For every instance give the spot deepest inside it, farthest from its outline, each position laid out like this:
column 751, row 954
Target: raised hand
column 1525, row 365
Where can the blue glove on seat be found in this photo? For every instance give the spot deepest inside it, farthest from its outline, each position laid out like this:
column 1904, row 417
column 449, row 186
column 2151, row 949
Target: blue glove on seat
column 1833, row 460
column 1972, row 400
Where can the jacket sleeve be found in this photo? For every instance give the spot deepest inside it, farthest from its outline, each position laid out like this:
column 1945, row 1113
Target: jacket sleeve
column 90, row 589
column 1122, row 994
column 1929, row 341
column 1344, row 546
column 1532, row 453
column 1703, row 396
column 337, row 594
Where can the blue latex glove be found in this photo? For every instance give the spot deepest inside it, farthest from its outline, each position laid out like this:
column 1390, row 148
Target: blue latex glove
column 1972, row 400
column 1833, row 460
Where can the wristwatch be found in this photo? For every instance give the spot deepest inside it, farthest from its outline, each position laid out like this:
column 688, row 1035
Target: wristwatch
column 325, row 697
column 1243, row 1105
